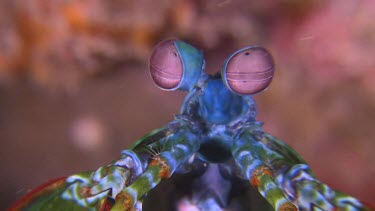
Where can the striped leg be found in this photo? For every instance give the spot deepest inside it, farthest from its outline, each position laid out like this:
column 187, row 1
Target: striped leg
column 311, row 194
column 259, row 174
column 297, row 180
column 93, row 188
column 180, row 146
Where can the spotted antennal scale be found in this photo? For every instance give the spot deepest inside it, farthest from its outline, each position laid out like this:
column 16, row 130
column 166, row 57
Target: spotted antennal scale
column 166, row 67
column 249, row 70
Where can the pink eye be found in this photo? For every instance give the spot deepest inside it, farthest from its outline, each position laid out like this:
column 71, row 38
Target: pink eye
column 249, row 70
column 166, row 67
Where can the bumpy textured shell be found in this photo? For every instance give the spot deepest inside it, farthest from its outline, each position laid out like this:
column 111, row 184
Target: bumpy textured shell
column 249, row 70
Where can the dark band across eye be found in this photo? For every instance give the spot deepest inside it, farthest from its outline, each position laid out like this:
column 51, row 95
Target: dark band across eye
column 249, row 70
column 166, row 66
column 176, row 65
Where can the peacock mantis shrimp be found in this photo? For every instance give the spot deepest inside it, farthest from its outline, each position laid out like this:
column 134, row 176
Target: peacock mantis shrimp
column 216, row 141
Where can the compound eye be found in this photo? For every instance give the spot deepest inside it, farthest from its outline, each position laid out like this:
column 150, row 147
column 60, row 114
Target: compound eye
column 249, row 70
column 166, row 67
column 176, row 65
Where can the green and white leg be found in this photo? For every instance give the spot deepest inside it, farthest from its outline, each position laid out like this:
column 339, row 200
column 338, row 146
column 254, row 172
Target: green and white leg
column 259, row 174
column 92, row 189
column 297, row 180
column 96, row 189
column 311, row 194
column 180, row 146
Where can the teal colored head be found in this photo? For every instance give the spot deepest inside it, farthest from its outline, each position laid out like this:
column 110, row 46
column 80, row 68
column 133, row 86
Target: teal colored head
column 218, row 99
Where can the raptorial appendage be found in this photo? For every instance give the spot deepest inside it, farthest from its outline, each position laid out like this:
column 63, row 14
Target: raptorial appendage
column 179, row 147
column 258, row 172
column 309, row 193
column 136, row 173
column 283, row 177
column 92, row 189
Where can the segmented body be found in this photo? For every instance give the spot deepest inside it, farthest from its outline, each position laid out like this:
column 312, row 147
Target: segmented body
column 216, row 139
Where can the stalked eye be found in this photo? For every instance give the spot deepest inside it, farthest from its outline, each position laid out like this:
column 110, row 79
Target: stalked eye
column 175, row 65
column 166, row 65
column 249, row 70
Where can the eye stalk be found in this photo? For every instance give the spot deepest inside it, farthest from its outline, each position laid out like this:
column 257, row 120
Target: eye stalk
column 176, row 65
column 248, row 71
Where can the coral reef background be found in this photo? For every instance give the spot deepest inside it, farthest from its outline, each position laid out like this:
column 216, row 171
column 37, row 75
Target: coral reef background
column 75, row 89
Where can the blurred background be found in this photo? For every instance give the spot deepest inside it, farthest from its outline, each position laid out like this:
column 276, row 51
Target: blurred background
column 75, row 88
